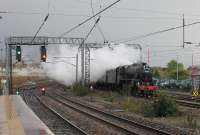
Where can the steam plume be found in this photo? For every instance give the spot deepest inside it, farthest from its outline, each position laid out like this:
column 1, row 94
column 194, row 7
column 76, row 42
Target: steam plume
column 62, row 63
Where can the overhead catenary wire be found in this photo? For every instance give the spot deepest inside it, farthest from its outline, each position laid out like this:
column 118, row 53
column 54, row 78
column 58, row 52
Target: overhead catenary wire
column 171, row 51
column 88, row 34
column 88, row 19
column 61, row 62
column 148, row 11
column 143, row 10
column 163, row 51
column 125, row 18
column 153, row 33
column 98, row 26
column 45, row 19
column 84, row 15
column 171, row 55
column 49, row 3
column 156, row 11
column 96, row 22
column 159, row 54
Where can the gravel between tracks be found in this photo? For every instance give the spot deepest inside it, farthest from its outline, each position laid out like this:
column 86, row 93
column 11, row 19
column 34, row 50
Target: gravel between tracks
column 55, row 124
column 170, row 129
column 90, row 125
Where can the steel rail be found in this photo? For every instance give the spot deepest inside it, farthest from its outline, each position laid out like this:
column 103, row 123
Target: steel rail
column 188, row 103
column 127, row 131
column 60, row 116
column 133, row 123
column 55, row 113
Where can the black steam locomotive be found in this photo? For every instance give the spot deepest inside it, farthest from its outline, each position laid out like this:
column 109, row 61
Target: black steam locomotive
column 136, row 79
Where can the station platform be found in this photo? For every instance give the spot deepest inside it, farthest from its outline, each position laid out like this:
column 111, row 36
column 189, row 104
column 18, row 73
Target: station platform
column 16, row 118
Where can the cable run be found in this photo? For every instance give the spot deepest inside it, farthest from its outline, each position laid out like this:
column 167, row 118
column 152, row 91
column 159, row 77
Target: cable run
column 75, row 27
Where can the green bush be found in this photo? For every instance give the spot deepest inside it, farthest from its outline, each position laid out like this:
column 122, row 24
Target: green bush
column 164, row 106
column 80, row 90
column 160, row 107
column 148, row 109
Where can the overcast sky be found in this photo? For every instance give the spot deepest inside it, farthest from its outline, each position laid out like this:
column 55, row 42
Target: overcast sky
column 127, row 19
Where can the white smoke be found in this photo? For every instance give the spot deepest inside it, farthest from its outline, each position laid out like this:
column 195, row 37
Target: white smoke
column 106, row 58
column 61, row 66
column 28, row 71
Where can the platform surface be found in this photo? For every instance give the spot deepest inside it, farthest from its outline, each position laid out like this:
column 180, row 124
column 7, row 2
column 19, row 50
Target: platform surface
column 16, row 118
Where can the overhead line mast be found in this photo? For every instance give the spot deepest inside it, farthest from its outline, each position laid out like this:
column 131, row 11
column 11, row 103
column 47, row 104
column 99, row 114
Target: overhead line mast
column 85, row 58
column 183, row 31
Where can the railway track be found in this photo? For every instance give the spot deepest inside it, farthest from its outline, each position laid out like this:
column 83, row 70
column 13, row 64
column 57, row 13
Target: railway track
column 188, row 103
column 121, row 124
column 56, row 122
column 186, row 99
column 127, row 125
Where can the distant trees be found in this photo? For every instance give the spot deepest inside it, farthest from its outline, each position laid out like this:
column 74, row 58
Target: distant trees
column 172, row 65
column 156, row 73
column 171, row 71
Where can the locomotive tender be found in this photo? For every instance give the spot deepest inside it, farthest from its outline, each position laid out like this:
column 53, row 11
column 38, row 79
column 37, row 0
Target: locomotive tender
column 136, row 79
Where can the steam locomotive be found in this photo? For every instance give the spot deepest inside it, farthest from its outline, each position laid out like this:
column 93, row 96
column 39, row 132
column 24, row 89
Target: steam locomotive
column 135, row 79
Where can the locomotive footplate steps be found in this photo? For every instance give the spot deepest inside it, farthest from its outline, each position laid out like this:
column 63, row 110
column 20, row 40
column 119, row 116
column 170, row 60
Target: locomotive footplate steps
column 18, row 119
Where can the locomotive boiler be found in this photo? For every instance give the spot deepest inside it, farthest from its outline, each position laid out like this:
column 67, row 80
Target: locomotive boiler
column 135, row 79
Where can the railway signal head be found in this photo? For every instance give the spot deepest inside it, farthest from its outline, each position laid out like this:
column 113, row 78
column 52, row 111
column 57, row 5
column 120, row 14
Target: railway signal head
column 43, row 56
column 17, row 91
column 18, row 53
column 43, row 91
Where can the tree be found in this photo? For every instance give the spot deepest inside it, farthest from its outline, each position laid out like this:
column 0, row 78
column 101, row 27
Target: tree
column 156, row 72
column 172, row 70
column 172, row 65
